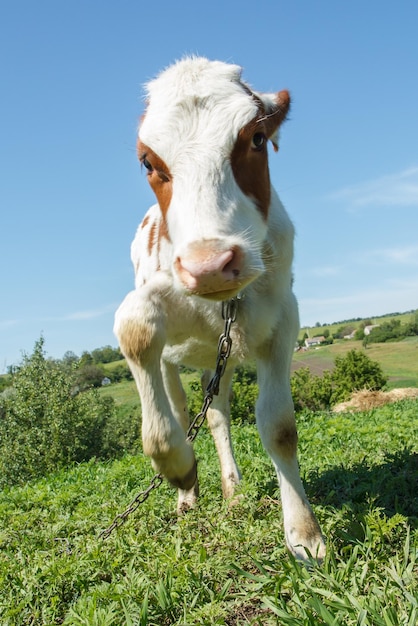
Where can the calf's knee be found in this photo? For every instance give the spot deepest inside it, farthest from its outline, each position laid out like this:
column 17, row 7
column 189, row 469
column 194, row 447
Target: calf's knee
column 137, row 339
column 139, row 334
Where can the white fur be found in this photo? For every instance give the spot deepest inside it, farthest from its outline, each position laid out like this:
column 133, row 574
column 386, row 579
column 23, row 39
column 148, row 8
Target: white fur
column 195, row 111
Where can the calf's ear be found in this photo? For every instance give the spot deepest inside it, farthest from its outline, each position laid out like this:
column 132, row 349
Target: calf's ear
column 276, row 106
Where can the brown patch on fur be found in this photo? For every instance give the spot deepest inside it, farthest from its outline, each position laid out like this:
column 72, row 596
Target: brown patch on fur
column 151, row 238
column 145, row 221
column 163, row 231
column 249, row 161
column 250, row 166
column 229, row 485
column 135, row 339
column 286, row 440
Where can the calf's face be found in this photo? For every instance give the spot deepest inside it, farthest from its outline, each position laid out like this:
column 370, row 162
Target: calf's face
column 203, row 141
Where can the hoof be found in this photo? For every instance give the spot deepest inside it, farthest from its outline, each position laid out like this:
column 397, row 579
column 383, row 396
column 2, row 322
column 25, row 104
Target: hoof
column 235, row 501
column 304, row 538
column 312, row 548
column 187, row 499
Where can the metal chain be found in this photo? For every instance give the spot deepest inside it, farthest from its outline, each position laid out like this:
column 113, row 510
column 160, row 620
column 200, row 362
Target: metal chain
column 229, row 314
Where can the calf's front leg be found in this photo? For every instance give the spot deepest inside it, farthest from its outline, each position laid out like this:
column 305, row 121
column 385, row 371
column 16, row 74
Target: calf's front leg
column 140, row 328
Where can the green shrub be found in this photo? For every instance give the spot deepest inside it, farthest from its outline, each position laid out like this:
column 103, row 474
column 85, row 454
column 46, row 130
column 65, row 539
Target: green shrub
column 353, row 372
column 121, row 432
column 88, row 376
column 311, row 392
column 120, row 372
column 393, row 330
column 45, row 423
column 194, row 395
column 244, row 396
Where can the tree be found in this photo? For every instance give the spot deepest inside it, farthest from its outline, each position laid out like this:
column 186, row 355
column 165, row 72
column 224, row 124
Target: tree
column 107, row 354
column 70, row 358
column 86, row 359
column 345, row 330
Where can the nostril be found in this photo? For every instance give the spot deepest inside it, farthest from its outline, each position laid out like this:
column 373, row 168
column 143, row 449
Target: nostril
column 234, row 265
column 231, row 268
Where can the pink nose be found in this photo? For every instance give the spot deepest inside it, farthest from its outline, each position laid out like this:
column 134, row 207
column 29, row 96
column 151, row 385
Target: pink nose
column 205, row 268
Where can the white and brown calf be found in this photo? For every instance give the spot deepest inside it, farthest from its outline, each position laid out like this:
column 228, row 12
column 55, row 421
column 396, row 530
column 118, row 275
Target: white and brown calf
column 218, row 229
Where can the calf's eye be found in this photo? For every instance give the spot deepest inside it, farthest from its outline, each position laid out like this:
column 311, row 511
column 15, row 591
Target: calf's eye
column 147, row 164
column 258, row 141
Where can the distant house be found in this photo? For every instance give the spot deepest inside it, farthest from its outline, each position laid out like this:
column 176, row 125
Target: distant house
column 368, row 329
column 351, row 335
column 315, row 341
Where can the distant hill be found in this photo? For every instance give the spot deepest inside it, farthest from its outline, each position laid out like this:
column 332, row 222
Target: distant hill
column 356, row 322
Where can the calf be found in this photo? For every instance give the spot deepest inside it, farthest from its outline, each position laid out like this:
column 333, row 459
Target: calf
column 218, row 230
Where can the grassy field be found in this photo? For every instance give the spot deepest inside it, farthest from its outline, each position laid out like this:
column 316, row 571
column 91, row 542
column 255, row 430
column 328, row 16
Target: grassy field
column 398, row 360
column 222, row 565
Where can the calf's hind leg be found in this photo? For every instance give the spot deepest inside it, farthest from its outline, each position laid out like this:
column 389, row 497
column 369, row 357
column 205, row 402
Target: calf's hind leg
column 140, row 329
column 277, row 428
column 219, row 424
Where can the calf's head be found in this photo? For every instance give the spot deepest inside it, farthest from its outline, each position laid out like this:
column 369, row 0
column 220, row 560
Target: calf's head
column 203, row 141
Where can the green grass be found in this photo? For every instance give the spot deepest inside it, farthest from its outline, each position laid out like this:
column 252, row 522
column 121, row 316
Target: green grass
column 124, row 394
column 221, row 565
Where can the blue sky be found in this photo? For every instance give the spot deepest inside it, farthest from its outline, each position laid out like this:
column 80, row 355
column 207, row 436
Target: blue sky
column 72, row 192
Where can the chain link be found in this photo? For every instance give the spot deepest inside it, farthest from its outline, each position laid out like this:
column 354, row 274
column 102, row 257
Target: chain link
column 229, row 314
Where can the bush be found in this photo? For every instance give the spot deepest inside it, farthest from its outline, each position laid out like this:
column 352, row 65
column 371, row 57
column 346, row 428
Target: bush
column 393, row 330
column 244, row 396
column 353, row 372
column 5, row 382
column 121, row 432
column 120, row 372
column 311, row 392
column 87, row 376
column 45, row 424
